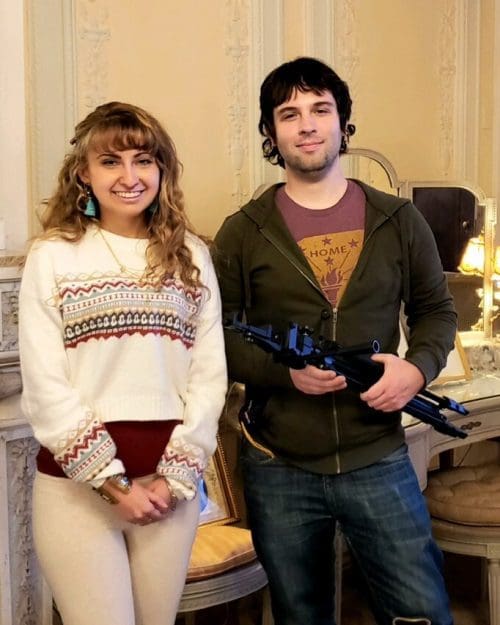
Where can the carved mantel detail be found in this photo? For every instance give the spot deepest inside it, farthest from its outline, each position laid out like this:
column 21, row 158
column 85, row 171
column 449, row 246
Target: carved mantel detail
column 25, row 591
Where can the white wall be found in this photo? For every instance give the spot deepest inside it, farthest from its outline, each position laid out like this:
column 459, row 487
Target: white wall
column 14, row 207
column 420, row 73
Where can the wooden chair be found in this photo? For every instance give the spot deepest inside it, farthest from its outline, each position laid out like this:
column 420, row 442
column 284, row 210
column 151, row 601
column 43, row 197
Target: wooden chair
column 223, row 568
column 464, row 503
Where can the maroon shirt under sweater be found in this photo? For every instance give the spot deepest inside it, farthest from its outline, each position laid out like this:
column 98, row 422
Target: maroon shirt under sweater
column 139, row 445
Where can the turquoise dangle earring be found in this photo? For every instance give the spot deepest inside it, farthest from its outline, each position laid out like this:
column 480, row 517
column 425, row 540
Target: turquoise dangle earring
column 90, row 207
column 153, row 207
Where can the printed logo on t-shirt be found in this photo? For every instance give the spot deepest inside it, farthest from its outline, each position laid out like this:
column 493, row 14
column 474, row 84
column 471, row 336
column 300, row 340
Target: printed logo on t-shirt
column 333, row 258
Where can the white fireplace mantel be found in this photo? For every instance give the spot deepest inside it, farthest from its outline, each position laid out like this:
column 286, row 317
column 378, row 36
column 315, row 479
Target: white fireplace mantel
column 24, row 596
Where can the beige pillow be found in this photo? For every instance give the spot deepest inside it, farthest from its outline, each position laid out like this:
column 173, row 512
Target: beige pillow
column 466, row 495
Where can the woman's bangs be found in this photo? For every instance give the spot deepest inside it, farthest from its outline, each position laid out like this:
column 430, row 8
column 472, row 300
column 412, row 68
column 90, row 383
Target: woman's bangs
column 117, row 139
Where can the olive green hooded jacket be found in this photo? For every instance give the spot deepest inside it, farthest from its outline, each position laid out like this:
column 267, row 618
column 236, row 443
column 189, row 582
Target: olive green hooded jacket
column 263, row 273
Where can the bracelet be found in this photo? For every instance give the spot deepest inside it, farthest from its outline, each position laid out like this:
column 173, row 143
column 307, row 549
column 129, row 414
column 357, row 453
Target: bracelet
column 122, row 483
column 172, row 504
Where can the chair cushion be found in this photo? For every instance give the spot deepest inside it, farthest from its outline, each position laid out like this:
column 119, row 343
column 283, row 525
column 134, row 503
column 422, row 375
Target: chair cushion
column 466, row 495
column 218, row 549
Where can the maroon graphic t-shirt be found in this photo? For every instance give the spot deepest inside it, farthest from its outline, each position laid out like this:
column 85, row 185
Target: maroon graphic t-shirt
column 331, row 238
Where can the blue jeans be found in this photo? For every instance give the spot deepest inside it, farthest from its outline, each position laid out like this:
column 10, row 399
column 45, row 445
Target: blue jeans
column 384, row 519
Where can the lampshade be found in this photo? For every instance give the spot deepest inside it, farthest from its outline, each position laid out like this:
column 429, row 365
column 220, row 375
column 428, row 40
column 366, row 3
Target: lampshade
column 472, row 262
column 496, row 266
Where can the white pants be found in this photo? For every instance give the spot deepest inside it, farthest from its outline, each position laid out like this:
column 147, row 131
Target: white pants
column 105, row 571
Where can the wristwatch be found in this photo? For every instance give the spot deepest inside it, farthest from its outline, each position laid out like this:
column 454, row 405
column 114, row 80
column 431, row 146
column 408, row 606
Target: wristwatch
column 120, row 481
column 172, row 505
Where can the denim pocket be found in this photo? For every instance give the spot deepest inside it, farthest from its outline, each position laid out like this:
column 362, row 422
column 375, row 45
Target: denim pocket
column 254, row 455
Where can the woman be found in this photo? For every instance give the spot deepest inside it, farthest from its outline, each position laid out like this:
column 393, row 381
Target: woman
column 124, row 374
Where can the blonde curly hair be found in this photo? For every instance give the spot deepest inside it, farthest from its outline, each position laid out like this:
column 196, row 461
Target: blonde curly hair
column 117, row 126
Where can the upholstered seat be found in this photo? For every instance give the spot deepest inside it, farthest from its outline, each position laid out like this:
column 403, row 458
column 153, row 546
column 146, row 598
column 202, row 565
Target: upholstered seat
column 223, row 567
column 464, row 503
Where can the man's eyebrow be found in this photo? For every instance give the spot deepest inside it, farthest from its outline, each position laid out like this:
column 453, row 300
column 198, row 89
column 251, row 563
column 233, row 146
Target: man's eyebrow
column 295, row 108
column 286, row 109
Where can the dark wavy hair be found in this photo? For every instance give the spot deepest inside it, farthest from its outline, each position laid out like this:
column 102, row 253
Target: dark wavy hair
column 302, row 74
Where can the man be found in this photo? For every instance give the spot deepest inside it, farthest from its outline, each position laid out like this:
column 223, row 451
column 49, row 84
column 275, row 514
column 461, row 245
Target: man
column 339, row 257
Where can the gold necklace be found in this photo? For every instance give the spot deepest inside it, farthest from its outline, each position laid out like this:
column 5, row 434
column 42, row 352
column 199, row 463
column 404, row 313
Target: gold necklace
column 127, row 271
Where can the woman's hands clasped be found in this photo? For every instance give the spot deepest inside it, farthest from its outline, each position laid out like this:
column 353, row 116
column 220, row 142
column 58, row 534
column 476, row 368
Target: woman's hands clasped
column 144, row 503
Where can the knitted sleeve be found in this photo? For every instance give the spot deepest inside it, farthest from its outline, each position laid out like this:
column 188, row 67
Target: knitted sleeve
column 61, row 421
column 194, row 441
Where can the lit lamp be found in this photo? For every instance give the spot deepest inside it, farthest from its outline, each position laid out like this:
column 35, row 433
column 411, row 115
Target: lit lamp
column 473, row 264
column 482, row 258
column 496, row 265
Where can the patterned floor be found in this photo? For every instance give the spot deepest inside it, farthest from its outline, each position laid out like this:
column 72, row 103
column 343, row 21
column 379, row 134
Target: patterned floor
column 464, row 588
column 465, row 592
column 463, row 575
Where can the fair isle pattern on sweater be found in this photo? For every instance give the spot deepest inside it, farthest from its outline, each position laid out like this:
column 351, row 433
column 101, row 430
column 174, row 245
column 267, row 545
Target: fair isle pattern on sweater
column 104, row 307
column 183, row 462
column 88, row 451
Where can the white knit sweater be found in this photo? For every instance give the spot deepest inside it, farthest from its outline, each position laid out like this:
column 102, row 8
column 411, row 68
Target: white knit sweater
column 98, row 345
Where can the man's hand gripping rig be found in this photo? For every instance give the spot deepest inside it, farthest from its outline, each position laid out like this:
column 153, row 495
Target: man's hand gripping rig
column 296, row 349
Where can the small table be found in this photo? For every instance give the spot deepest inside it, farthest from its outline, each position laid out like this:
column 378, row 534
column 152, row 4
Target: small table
column 481, row 396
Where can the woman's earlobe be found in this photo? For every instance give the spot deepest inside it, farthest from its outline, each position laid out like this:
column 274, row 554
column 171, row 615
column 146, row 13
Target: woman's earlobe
column 84, row 176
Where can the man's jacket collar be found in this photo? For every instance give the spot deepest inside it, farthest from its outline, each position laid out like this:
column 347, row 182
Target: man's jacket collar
column 380, row 207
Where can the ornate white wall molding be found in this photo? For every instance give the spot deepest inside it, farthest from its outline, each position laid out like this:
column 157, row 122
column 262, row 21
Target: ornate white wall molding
column 13, row 131
column 318, row 29
column 459, row 75
column 93, row 32
column 447, row 73
column 52, row 100
column 466, row 111
column 236, row 47
column 266, row 53
column 496, row 109
column 346, row 53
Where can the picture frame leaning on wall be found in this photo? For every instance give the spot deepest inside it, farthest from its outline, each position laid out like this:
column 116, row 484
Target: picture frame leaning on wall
column 217, row 499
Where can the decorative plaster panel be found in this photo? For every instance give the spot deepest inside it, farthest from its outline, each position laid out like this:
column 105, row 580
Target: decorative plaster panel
column 447, row 72
column 346, row 44
column 237, row 50
column 266, row 45
column 318, row 28
column 93, row 33
column 51, row 102
column 467, row 82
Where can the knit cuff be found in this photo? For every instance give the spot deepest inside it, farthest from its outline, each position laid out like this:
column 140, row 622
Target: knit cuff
column 182, row 465
column 86, row 451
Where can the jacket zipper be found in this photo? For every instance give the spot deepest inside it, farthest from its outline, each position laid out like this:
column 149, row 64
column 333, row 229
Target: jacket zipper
column 334, row 404
column 273, row 241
